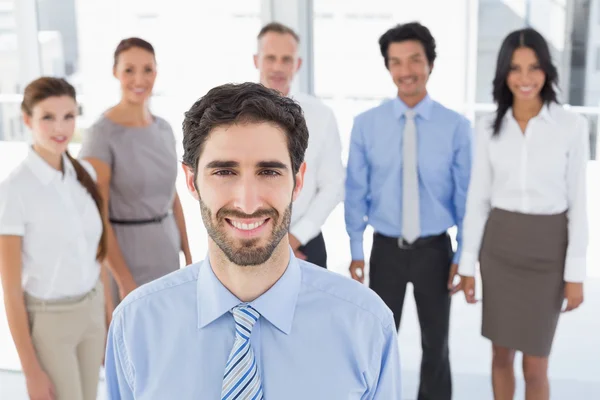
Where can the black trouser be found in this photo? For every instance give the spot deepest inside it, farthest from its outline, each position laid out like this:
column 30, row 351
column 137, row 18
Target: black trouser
column 426, row 264
column 315, row 251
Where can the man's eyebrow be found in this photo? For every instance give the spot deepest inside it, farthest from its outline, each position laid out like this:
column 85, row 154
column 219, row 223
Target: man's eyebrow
column 222, row 164
column 272, row 164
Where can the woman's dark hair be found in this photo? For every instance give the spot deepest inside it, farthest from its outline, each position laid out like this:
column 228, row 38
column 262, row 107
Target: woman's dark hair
column 42, row 89
column 503, row 97
column 131, row 43
column 409, row 31
column 242, row 103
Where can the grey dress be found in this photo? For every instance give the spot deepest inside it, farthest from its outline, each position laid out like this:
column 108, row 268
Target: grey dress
column 143, row 161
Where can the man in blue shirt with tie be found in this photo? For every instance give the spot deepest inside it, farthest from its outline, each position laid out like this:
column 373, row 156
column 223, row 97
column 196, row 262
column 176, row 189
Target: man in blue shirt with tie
column 408, row 173
column 251, row 321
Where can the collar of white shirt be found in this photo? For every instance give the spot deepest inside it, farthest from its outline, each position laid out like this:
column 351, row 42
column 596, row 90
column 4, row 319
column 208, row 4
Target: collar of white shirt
column 545, row 113
column 44, row 172
column 277, row 304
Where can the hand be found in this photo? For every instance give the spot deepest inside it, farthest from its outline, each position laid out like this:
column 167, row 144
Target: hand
column 574, row 295
column 294, row 242
column 357, row 270
column 451, row 286
column 467, row 283
column 39, row 386
column 127, row 287
column 300, row 255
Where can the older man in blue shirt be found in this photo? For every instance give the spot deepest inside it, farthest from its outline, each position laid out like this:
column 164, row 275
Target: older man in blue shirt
column 408, row 173
column 251, row 321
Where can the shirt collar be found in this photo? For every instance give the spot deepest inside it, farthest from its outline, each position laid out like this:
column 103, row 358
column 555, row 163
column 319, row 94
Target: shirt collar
column 422, row 109
column 44, row 172
column 545, row 113
column 277, row 304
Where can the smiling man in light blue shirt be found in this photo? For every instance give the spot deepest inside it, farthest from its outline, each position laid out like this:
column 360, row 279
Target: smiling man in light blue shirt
column 409, row 167
column 251, row 321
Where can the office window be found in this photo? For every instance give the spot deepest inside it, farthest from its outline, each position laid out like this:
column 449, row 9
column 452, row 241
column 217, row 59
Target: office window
column 10, row 125
column 196, row 47
column 573, row 42
column 349, row 71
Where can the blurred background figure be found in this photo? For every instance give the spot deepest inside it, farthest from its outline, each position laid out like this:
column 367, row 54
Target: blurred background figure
column 278, row 61
column 527, row 221
column 134, row 154
column 408, row 173
column 52, row 241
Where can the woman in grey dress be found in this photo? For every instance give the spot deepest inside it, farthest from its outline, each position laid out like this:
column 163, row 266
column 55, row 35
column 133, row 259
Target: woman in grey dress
column 135, row 158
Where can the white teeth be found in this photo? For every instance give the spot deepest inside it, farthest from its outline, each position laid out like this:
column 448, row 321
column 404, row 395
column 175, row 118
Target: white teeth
column 247, row 227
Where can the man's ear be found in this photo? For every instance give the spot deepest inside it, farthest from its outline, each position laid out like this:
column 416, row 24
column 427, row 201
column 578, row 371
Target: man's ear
column 190, row 180
column 299, row 180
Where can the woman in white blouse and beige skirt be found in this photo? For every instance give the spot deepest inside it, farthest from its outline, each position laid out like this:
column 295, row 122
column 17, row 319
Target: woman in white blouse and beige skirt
column 526, row 219
column 51, row 241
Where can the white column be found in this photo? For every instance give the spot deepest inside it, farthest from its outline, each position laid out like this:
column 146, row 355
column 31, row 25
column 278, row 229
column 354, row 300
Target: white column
column 597, row 149
column 297, row 14
column 27, row 41
column 471, row 69
column 99, row 29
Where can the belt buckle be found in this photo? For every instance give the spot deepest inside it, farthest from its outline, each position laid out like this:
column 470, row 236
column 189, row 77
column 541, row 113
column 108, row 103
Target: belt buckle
column 403, row 244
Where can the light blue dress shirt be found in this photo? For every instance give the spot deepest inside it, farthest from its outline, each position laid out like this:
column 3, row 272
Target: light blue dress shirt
column 320, row 336
column 374, row 173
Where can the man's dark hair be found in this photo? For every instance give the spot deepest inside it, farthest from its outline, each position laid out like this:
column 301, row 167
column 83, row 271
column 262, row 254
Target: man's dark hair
column 277, row 28
column 238, row 104
column 409, row 31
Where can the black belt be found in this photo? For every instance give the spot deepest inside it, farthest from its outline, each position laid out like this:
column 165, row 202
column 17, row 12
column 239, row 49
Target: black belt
column 420, row 242
column 154, row 220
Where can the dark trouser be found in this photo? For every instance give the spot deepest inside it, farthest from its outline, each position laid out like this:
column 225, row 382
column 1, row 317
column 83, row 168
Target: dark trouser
column 315, row 251
column 426, row 264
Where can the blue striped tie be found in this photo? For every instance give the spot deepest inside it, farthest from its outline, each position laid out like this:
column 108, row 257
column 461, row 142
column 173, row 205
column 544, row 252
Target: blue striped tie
column 242, row 377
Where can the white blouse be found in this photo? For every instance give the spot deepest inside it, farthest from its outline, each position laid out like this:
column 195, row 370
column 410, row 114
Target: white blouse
column 540, row 172
column 60, row 225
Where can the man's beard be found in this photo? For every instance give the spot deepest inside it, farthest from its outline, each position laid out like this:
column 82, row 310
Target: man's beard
column 247, row 253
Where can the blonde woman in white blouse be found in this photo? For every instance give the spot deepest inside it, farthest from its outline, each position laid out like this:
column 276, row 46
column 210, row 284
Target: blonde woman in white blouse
column 526, row 220
column 51, row 242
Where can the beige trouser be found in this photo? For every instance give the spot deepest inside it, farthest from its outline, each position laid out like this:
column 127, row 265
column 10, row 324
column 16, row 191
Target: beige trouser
column 69, row 337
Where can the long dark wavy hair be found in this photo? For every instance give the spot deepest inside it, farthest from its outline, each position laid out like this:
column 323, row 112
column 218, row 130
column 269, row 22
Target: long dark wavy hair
column 503, row 97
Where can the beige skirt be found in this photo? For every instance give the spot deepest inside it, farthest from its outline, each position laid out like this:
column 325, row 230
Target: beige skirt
column 522, row 263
